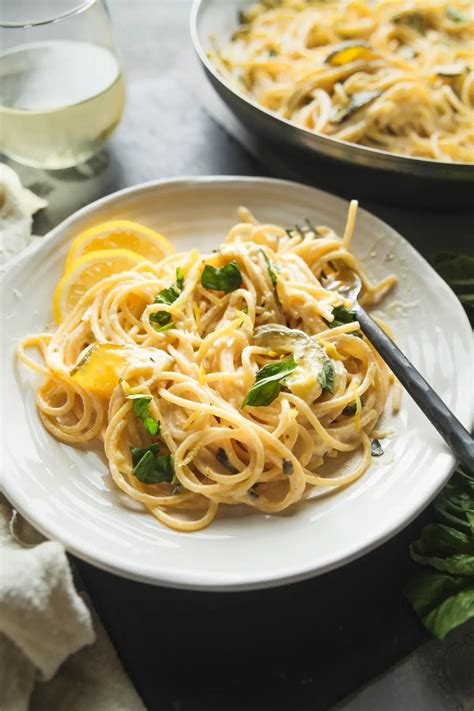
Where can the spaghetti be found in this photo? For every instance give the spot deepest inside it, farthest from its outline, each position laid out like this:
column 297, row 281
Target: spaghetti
column 388, row 74
column 226, row 378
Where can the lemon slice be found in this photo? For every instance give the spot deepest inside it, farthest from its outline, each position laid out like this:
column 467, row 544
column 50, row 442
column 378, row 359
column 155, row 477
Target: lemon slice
column 88, row 270
column 100, row 368
column 121, row 234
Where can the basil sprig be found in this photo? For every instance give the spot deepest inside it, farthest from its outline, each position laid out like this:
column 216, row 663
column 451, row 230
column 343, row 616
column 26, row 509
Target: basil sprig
column 168, row 296
column 151, row 467
column 268, row 382
column 443, row 595
column 141, row 404
column 227, row 278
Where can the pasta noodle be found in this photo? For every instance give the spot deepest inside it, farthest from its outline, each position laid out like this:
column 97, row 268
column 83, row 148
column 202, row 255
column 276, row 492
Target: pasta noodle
column 123, row 361
column 390, row 74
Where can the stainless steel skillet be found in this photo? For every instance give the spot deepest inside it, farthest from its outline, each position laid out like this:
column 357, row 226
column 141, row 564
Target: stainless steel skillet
column 375, row 173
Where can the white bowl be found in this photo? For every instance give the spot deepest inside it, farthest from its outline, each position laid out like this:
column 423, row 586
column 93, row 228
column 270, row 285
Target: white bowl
column 68, row 494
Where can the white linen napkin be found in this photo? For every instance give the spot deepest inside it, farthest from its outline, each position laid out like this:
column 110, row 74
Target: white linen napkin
column 54, row 653
column 46, row 628
column 17, row 205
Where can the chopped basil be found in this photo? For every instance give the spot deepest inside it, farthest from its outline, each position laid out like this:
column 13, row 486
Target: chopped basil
column 140, row 408
column 272, row 274
column 309, row 356
column 162, row 318
column 415, row 20
column 150, row 467
column 376, row 448
column 454, row 15
column 350, row 409
column 273, row 53
column 227, row 278
column 326, row 375
column 168, row 296
column 268, row 382
column 167, row 326
column 342, row 316
column 356, row 101
column 180, row 278
column 287, row 467
column 222, row 458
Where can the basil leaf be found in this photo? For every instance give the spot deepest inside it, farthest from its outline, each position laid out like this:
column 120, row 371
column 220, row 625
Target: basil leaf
column 222, row 458
column 180, row 278
column 227, row 278
column 454, row 15
column 168, row 296
column 166, row 326
column 150, row 467
column 139, row 452
column 272, row 274
column 442, row 601
column 342, row 315
column 271, row 271
column 444, row 596
column 326, row 375
column 140, row 408
column 162, row 318
column 376, row 448
column 445, row 549
column 350, row 409
column 268, row 382
column 454, row 506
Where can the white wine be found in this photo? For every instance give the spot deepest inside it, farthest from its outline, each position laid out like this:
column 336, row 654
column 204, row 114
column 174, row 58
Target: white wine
column 59, row 102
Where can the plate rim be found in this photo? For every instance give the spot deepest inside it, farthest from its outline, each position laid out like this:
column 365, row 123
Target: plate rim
column 201, row 579
column 382, row 157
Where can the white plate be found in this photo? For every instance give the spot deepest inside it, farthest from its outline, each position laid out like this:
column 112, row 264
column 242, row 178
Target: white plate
column 68, row 494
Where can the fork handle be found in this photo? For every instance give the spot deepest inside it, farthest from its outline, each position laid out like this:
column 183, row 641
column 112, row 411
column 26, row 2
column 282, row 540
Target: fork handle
column 451, row 430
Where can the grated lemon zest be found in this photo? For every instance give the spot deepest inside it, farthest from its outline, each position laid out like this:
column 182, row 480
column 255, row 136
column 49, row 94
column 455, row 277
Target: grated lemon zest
column 197, row 315
column 332, row 351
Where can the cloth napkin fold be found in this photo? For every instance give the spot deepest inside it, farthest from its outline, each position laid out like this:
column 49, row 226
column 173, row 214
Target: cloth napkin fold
column 17, row 206
column 54, row 653
column 46, row 627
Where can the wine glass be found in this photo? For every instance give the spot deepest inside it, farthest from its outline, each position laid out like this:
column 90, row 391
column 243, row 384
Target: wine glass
column 62, row 91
